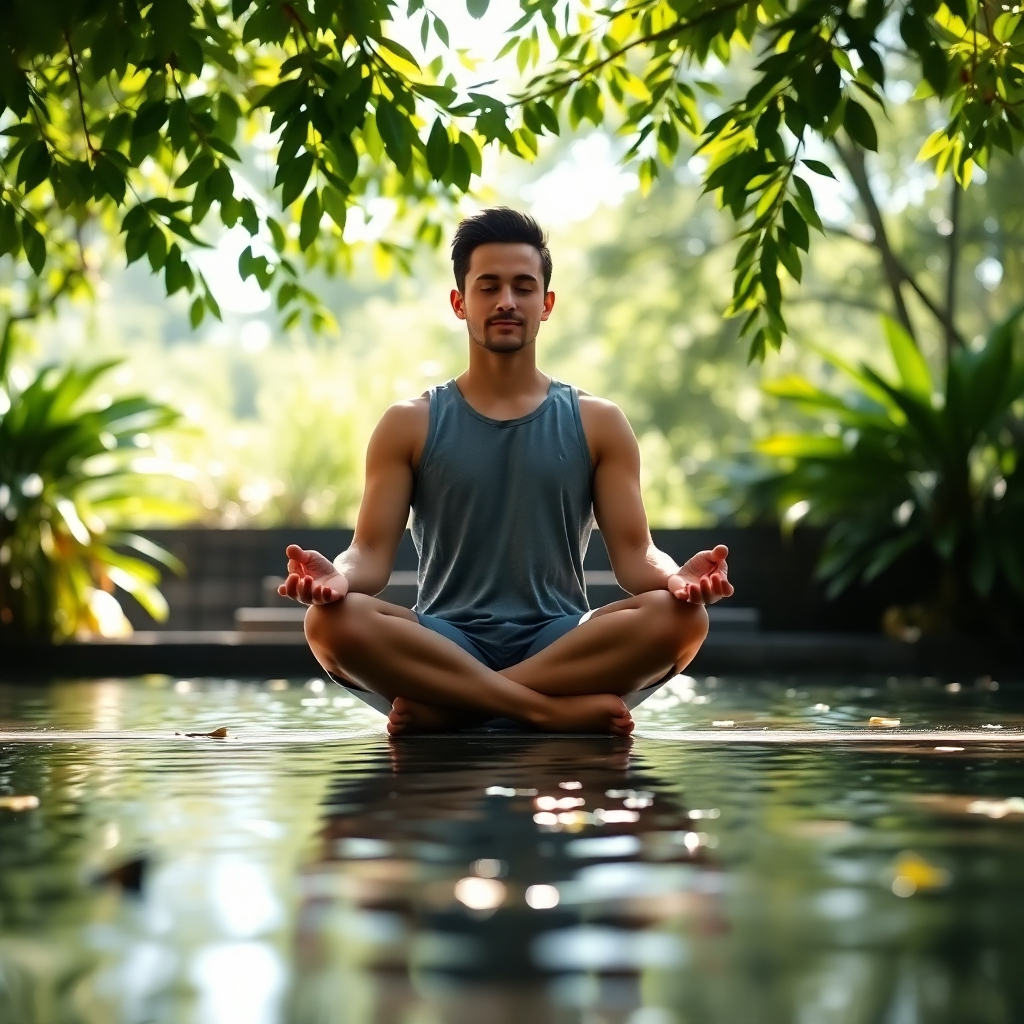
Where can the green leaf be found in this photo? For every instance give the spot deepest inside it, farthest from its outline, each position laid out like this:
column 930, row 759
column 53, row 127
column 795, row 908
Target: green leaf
column 150, row 118
column 309, row 224
column 335, row 206
column 294, row 178
column 9, row 237
column 195, row 313
column 156, row 248
column 110, row 178
column 392, row 127
column 911, row 364
column 199, row 168
column 34, row 165
column 796, row 226
column 35, row 247
column 818, row 167
column 135, row 244
column 858, row 124
column 477, row 8
column 438, row 150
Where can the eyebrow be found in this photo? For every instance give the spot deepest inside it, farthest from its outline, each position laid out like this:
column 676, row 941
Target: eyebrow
column 497, row 277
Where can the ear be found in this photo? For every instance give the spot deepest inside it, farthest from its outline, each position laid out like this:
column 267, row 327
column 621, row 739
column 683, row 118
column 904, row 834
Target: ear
column 458, row 303
column 549, row 304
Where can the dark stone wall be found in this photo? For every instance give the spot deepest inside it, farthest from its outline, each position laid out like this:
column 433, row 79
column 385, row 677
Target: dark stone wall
column 771, row 573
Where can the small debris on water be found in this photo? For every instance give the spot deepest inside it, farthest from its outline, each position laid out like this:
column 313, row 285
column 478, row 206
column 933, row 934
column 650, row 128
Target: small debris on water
column 884, row 723
column 989, row 725
column 724, row 723
column 948, row 750
column 19, row 803
column 128, row 875
column 822, row 707
column 953, row 687
column 570, row 785
column 216, row 734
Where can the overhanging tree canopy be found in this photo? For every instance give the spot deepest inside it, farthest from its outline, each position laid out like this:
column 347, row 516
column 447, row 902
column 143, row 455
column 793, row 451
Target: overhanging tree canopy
column 127, row 114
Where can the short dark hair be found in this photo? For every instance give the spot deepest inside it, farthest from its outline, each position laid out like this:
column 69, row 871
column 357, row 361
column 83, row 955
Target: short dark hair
column 498, row 224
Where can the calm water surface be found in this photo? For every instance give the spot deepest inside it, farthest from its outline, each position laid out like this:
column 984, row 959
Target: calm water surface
column 308, row 871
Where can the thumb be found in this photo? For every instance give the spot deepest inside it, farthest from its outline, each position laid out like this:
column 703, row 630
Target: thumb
column 720, row 553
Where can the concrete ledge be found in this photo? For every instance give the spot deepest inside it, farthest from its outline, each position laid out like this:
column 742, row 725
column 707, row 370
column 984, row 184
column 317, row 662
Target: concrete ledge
column 238, row 654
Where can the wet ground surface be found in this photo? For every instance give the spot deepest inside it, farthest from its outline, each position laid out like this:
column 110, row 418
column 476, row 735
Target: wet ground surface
column 306, row 869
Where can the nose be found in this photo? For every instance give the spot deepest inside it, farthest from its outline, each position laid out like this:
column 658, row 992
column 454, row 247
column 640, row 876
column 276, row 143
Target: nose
column 506, row 301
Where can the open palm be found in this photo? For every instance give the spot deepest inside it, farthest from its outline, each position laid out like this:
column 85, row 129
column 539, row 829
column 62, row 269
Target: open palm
column 704, row 579
column 312, row 578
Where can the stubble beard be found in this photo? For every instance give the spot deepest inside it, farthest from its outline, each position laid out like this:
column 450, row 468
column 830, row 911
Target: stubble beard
column 500, row 343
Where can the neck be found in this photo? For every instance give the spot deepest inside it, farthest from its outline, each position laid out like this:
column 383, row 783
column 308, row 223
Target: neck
column 502, row 375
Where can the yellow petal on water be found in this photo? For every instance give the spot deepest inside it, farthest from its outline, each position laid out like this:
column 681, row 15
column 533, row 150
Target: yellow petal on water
column 19, row 803
column 912, row 873
column 217, row 734
column 885, row 723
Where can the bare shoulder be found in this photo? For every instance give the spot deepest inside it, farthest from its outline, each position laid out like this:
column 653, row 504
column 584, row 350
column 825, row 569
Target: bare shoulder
column 402, row 430
column 605, row 424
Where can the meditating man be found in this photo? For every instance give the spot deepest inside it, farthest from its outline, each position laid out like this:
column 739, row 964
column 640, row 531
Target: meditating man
column 505, row 470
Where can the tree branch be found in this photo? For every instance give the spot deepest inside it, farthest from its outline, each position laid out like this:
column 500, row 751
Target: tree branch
column 853, row 159
column 896, row 272
column 81, row 98
column 952, row 340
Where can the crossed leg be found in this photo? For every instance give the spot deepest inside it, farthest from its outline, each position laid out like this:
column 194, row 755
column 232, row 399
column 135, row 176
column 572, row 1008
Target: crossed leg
column 575, row 685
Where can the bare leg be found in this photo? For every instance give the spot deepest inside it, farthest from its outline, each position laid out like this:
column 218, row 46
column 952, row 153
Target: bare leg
column 382, row 648
column 622, row 647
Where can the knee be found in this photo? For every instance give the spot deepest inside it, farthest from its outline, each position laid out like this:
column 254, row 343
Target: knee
column 339, row 626
column 677, row 625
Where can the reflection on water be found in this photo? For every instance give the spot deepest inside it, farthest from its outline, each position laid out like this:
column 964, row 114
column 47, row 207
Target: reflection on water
column 507, row 879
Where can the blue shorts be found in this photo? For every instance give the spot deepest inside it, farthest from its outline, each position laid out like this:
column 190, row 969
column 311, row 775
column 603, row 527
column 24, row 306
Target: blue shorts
column 500, row 646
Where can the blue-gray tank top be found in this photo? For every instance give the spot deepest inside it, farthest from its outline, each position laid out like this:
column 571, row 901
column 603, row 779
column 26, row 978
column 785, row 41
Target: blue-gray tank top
column 502, row 513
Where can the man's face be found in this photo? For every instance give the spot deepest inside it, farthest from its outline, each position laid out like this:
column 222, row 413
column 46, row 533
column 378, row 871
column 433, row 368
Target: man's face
column 504, row 301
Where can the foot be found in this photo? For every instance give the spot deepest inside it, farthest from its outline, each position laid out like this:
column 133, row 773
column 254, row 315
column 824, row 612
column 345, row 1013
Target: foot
column 410, row 716
column 594, row 713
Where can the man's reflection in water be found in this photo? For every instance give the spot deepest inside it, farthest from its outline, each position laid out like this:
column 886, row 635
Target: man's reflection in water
column 501, row 880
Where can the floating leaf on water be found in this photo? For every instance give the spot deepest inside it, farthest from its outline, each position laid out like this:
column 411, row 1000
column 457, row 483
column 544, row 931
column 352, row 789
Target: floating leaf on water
column 216, row 734
column 19, row 803
column 885, row 723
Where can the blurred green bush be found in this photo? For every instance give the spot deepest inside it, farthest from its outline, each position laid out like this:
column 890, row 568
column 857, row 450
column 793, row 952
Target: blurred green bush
column 895, row 464
column 72, row 473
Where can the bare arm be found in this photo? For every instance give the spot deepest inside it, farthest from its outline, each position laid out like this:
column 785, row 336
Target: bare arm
column 365, row 566
column 639, row 565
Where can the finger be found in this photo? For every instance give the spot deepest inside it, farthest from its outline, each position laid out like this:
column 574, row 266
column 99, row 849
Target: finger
column 706, row 591
column 297, row 554
column 694, row 595
column 720, row 553
column 305, row 589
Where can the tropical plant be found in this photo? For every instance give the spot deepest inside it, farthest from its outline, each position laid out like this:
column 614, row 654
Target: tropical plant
column 70, row 477
column 125, row 115
column 895, row 464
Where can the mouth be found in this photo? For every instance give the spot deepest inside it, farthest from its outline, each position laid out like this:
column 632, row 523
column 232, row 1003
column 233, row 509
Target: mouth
column 505, row 323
